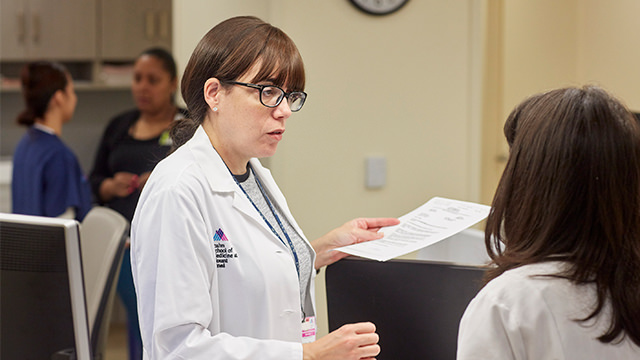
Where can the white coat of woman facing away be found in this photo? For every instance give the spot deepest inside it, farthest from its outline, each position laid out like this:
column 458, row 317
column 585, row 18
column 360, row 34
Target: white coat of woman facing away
column 563, row 235
column 221, row 268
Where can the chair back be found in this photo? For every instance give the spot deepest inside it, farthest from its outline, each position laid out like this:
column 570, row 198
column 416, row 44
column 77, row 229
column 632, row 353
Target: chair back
column 104, row 233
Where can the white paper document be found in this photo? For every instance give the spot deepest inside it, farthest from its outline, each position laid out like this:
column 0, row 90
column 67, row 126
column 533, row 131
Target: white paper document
column 436, row 220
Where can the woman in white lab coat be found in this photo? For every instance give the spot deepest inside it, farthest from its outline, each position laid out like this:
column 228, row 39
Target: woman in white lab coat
column 221, row 268
column 563, row 234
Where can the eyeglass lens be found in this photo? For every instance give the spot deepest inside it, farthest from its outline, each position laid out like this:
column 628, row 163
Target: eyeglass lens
column 272, row 96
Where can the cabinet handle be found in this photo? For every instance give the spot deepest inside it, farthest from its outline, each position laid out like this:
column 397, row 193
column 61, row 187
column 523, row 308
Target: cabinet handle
column 36, row 28
column 164, row 24
column 150, row 26
column 22, row 27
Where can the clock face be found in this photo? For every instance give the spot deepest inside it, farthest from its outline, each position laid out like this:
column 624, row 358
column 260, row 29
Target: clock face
column 379, row 7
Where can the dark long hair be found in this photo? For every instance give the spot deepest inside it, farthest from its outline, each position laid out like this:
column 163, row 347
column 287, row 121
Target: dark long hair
column 40, row 80
column 571, row 191
column 227, row 52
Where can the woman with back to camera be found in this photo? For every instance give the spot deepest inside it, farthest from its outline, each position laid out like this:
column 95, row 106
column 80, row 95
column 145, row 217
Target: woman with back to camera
column 563, row 234
column 221, row 268
column 47, row 179
column 132, row 144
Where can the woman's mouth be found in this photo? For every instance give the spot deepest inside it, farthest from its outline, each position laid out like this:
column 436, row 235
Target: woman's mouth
column 277, row 134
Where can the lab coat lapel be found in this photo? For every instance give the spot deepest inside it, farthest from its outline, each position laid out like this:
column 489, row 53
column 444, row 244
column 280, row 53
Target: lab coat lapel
column 216, row 172
column 221, row 181
column 272, row 189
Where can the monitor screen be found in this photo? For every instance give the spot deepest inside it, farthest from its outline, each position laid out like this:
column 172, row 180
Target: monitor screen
column 416, row 305
column 42, row 302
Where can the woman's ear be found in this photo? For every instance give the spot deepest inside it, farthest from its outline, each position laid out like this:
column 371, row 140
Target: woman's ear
column 212, row 90
column 57, row 99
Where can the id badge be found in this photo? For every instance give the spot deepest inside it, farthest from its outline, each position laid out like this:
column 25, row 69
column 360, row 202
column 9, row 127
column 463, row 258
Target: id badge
column 309, row 329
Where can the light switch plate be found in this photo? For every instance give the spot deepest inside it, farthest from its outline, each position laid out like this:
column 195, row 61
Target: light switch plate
column 375, row 172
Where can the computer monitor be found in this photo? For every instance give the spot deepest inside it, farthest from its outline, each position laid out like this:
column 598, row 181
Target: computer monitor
column 416, row 305
column 42, row 300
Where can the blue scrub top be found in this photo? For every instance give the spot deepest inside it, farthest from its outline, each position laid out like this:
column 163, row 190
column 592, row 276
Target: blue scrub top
column 47, row 178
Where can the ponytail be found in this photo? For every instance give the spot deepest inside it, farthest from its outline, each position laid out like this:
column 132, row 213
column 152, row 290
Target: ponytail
column 181, row 131
column 26, row 118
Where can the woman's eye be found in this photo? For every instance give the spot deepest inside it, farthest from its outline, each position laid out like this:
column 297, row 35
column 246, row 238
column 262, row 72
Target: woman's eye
column 268, row 91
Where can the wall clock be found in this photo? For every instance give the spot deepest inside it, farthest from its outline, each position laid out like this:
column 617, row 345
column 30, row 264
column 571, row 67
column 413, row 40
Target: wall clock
column 379, row 7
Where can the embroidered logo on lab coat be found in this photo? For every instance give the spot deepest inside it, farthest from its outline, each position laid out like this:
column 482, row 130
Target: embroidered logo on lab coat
column 220, row 236
column 224, row 252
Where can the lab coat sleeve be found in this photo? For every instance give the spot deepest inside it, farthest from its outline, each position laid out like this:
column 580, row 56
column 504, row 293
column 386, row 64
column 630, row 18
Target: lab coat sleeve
column 509, row 320
column 175, row 275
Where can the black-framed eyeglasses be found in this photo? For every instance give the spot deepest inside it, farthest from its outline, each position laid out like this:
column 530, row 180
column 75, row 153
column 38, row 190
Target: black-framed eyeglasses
column 271, row 95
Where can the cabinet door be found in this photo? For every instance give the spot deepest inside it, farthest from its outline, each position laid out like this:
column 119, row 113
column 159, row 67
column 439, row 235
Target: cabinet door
column 13, row 30
column 128, row 27
column 164, row 25
column 45, row 29
column 63, row 29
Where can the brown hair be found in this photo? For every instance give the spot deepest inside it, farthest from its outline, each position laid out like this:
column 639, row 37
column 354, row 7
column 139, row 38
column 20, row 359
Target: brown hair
column 571, row 191
column 40, row 80
column 227, row 52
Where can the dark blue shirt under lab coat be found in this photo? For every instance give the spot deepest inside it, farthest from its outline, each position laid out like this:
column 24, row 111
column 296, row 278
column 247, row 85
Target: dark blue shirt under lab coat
column 47, row 178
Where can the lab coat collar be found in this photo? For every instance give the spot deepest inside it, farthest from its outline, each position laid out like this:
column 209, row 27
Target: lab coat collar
column 218, row 175
column 216, row 172
column 274, row 192
column 220, row 179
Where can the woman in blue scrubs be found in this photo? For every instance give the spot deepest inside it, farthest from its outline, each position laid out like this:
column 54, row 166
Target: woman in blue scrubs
column 47, row 179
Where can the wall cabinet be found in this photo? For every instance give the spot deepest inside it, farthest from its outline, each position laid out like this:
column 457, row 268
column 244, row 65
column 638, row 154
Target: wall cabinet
column 129, row 27
column 45, row 29
column 98, row 40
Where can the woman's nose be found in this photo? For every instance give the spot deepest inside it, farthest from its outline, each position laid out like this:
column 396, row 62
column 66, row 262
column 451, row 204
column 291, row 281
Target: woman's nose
column 283, row 110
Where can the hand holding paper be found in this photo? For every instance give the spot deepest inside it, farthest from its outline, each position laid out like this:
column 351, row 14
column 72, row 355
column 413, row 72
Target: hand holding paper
column 436, row 220
column 352, row 232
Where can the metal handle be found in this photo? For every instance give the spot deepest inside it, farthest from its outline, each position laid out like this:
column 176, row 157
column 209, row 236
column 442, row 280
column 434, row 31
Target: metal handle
column 22, row 27
column 36, row 28
column 149, row 24
column 163, row 19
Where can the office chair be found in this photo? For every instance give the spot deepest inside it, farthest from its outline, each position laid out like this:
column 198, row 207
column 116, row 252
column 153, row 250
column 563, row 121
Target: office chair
column 42, row 297
column 103, row 234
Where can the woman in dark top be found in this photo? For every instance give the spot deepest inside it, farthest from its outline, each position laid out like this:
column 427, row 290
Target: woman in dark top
column 123, row 162
column 132, row 144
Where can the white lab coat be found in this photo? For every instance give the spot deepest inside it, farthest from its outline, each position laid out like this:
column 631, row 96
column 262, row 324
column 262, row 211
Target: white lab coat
column 212, row 280
column 519, row 317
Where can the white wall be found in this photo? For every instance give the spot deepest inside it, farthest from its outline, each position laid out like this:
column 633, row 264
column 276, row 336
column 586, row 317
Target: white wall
column 546, row 44
column 550, row 43
column 193, row 18
column 400, row 87
column 609, row 47
column 540, row 48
